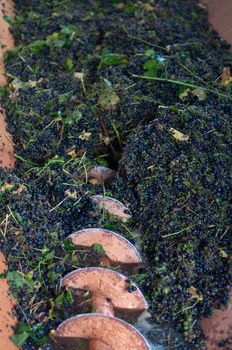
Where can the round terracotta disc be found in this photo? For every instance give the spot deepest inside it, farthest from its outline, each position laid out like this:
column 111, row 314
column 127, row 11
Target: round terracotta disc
column 109, row 285
column 117, row 248
column 111, row 333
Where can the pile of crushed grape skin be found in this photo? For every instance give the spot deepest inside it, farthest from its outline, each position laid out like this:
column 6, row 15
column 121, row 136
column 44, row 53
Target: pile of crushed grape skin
column 73, row 102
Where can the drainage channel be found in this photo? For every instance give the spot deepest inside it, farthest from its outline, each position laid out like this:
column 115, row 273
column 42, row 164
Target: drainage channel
column 111, row 292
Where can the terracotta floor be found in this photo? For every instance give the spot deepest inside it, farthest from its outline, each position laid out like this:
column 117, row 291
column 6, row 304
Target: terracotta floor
column 220, row 16
column 7, row 320
column 218, row 327
column 6, row 41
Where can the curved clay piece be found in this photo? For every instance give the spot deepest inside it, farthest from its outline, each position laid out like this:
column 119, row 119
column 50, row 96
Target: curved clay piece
column 6, row 40
column 113, row 206
column 101, row 174
column 106, row 285
column 105, row 333
column 218, row 327
column 118, row 249
column 220, row 16
column 7, row 319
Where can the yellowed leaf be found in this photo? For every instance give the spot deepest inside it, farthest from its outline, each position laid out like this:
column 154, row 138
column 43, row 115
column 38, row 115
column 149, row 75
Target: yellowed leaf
column 85, row 136
column 151, row 167
column 202, row 6
column 32, row 83
column 184, row 94
column 6, row 187
column 193, row 291
column 226, row 77
column 79, row 75
column 94, row 181
column 200, row 93
column 120, row 6
column 72, row 153
column 105, row 139
column 148, row 7
column 179, row 136
column 223, row 254
column 71, row 194
column 17, row 84
column 20, row 189
column 108, row 99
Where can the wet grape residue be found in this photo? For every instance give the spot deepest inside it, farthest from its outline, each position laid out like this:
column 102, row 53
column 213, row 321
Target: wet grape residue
column 141, row 87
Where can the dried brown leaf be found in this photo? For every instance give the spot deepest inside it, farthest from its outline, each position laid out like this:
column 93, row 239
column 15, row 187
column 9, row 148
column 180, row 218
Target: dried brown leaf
column 226, row 77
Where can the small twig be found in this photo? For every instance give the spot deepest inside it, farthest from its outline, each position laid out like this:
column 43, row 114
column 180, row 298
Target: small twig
column 130, row 233
column 177, row 233
column 118, row 135
column 80, row 198
column 11, row 213
column 105, row 131
column 6, row 224
column 23, row 159
column 189, row 307
column 144, row 41
column 227, row 229
column 61, row 134
column 59, row 204
column 181, row 83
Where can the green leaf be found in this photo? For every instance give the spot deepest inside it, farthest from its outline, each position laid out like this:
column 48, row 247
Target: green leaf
column 22, row 333
column 29, row 279
column 150, row 53
column 53, row 276
column 130, row 8
column 151, row 68
column 68, row 246
column 49, row 256
column 19, row 339
column 41, row 341
column 20, row 280
column 73, row 117
column 22, row 327
column 63, row 98
column 108, row 99
column 64, row 297
column 69, row 64
column 181, row 90
column 69, row 29
column 16, row 278
column 19, row 218
column 110, row 59
column 54, row 40
column 9, row 20
column 36, row 46
column 99, row 249
column 2, row 91
column 60, row 299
